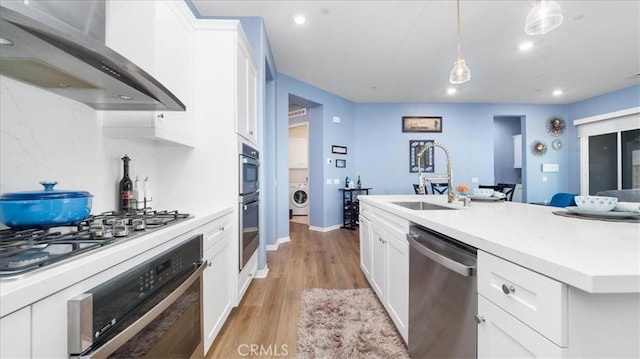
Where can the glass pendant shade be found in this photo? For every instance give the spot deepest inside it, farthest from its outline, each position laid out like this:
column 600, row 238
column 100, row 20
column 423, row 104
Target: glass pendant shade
column 460, row 72
column 544, row 17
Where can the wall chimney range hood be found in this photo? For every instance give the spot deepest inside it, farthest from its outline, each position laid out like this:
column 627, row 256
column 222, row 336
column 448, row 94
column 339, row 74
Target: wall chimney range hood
column 59, row 45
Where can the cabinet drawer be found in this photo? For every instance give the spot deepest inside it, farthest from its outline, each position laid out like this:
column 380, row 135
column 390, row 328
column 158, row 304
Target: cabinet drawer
column 214, row 231
column 501, row 335
column 365, row 210
column 397, row 226
column 536, row 300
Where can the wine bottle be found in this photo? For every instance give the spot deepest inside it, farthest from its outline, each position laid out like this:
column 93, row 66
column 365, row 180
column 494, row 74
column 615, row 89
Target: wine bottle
column 126, row 188
column 358, row 184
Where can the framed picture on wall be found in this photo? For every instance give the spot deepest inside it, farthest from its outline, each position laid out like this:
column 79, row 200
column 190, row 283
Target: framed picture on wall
column 341, row 163
column 421, row 124
column 425, row 162
column 339, row 150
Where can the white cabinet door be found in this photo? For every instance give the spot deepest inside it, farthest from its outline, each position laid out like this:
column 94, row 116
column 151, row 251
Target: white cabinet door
column 397, row 264
column 517, row 151
column 158, row 37
column 298, row 152
column 246, row 87
column 15, row 334
column 217, row 288
column 378, row 261
column 501, row 335
column 365, row 246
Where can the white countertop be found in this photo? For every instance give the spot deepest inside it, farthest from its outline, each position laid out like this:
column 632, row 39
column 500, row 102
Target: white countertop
column 592, row 255
column 20, row 292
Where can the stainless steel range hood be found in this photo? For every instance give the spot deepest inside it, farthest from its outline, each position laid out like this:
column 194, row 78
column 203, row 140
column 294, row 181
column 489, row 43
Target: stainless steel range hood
column 58, row 45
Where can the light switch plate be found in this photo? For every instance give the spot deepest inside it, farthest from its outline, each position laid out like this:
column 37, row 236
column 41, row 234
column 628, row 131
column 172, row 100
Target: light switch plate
column 336, row 119
column 328, row 180
column 474, row 180
column 550, row 167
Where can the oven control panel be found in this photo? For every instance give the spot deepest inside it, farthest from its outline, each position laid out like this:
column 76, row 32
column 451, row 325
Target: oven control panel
column 161, row 273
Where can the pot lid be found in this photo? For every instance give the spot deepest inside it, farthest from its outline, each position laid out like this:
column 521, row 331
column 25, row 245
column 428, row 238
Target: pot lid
column 47, row 193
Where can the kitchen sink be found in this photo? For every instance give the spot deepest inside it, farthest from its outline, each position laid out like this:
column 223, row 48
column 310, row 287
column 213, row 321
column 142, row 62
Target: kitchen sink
column 421, row 206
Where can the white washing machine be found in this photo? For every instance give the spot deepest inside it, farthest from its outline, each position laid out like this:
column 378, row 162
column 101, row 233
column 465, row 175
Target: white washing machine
column 299, row 199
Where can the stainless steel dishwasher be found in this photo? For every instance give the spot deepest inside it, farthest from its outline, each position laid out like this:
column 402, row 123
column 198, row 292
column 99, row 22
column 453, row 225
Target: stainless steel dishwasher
column 442, row 296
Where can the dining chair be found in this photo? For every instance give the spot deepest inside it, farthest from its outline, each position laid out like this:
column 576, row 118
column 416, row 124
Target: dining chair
column 563, row 200
column 494, row 187
column 508, row 189
column 439, row 188
column 416, row 188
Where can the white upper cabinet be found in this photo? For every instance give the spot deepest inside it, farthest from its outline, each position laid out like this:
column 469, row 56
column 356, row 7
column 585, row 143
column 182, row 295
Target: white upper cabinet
column 158, row 37
column 246, row 86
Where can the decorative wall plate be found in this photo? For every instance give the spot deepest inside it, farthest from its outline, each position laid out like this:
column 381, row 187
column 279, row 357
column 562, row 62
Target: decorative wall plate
column 556, row 144
column 555, row 126
column 538, row 148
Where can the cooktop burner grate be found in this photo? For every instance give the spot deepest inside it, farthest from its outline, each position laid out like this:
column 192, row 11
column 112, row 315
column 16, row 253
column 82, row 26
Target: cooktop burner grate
column 26, row 249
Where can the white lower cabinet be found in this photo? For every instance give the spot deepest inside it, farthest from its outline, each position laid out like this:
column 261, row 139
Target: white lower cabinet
column 500, row 335
column 365, row 245
column 388, row 273
column 378, row 261
column 397, row 259
column 15, row 334
column 217, row 289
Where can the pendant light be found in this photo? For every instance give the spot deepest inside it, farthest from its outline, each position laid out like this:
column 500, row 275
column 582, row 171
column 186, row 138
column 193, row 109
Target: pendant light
column 545, row 16
column 460, row 72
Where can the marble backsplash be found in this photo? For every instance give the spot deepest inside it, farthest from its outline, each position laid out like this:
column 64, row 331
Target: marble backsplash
column 46, row 137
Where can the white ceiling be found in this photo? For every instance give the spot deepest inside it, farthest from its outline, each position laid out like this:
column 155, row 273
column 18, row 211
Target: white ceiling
column 402, row 51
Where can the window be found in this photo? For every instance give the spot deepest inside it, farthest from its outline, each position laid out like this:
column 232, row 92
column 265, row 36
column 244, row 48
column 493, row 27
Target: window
column 609, row 151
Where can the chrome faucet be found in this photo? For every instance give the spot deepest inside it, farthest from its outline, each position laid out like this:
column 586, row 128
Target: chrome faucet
column 450, row 196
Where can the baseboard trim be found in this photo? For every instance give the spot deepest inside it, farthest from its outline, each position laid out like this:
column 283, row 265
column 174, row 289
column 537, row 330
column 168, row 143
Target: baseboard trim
column 274, row 247
column 324, row 229
column 262, row 273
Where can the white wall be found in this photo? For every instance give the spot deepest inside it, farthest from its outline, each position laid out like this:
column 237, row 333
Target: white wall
column 46, row 137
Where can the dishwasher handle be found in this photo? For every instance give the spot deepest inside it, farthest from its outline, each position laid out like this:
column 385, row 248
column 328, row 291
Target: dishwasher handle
column 446, row 255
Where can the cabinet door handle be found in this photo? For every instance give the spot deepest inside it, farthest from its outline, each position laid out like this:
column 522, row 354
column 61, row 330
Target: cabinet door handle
column 508, row 289
column 479, row 319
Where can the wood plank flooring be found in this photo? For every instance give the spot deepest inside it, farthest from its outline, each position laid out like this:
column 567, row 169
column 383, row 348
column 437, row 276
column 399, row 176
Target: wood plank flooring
column 267, row 317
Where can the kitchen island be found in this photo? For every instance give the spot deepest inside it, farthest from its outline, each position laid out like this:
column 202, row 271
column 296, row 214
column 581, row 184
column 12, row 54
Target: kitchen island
column 577, row 281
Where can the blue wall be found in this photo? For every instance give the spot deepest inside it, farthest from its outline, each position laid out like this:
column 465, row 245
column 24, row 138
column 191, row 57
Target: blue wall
column 325, row 208
column 504, row 127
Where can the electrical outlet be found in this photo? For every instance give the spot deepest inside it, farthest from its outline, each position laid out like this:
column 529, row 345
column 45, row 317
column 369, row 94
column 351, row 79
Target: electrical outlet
column 336, row 119
column 544, row 179
column 336, row 181
column 328, row 180
column 475, row 180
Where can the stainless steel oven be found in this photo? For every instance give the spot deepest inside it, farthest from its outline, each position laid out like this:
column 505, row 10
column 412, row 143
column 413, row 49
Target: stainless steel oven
column 249, row 165
column 249, row 203
column 151, row 310
column 249, row 226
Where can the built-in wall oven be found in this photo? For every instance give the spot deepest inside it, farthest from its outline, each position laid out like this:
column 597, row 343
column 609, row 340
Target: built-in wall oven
column 152, row 310
column 249, row 201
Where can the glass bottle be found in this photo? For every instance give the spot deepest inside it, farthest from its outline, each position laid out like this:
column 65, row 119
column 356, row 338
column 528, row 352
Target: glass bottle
column 359, row 184
column 126, row 188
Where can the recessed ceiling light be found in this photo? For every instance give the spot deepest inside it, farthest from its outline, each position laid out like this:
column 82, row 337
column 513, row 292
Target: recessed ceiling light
column 125, row 97
column 451, row 90
column 526, row 46
column 300, row 19
column 557, row 92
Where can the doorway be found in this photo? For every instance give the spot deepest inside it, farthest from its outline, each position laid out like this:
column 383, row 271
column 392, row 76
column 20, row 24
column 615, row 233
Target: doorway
column 507, row 153
column 299, row 197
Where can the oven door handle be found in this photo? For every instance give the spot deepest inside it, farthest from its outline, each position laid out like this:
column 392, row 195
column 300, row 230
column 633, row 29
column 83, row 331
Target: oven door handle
column 251, row 205
column 119, row 340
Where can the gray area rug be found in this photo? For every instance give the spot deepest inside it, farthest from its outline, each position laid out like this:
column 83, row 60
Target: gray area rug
column 351, row 323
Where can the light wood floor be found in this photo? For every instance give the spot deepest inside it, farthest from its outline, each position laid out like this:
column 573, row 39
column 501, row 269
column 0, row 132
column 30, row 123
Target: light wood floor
column 268, row 314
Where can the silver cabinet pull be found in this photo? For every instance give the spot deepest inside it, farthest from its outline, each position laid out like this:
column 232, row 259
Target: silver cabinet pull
column 508, row 289
column 479, row 319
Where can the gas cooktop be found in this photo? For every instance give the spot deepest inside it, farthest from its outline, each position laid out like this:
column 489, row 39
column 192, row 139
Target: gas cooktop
column 23, row 250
